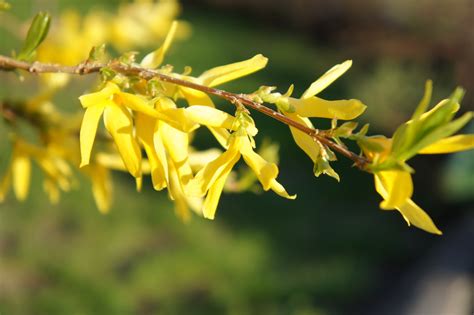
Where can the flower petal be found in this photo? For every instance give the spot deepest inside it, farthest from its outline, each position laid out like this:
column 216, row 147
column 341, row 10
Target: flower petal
column 145, row 128
column 395, row 187
column 99, row 97
column 161, row 157
column 178, row 118
column 413, row 214
column 118, row 121
column 266, row 172
column 208, row 175
column 222, row 74
column 155, row 58
column 317, row 107
column 176, row 143
column 211, row 117
column 89, row 126
column 199, row 159
column 450, row 144
column 305, row 142
column 280, row 190
column 209, row 207
column 21, row 174
column 326, row 79
column 101, row 186
column 194, row 97
column 136, row 103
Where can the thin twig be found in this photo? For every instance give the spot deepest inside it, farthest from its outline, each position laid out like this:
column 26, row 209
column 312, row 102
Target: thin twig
column 10, row 64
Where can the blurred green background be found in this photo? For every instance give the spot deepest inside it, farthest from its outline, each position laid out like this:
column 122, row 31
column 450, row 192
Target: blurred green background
column 331, row 251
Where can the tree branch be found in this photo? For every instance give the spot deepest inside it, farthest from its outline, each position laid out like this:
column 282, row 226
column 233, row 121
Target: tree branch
column 10, row 64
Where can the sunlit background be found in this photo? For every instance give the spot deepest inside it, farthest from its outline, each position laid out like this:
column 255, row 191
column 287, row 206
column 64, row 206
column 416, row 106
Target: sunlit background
column 331, row 251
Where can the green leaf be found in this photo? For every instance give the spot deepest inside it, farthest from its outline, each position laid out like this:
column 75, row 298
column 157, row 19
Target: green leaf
column 36, row 34
column 438, row 134
column 425, row 101
column 407, row 137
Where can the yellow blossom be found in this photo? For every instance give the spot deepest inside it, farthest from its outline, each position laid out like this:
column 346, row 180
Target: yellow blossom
column 396, row 186
column 308, row 105
column 116, row 108
column 58, row 175
column 210, row 180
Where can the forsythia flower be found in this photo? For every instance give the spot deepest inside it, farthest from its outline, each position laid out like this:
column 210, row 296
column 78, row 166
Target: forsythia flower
column 210, row 180
column 116, row 107
column 309, row 105
column 57, row 171
column 396, row 186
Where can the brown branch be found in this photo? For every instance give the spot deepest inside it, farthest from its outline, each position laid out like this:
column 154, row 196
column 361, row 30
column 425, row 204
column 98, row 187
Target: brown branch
column 10, row 64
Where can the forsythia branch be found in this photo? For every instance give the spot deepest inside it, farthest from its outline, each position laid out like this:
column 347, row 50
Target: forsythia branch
column 86, row 67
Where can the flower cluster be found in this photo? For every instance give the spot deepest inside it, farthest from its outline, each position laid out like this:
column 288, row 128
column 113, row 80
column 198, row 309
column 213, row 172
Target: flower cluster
column 151, row 113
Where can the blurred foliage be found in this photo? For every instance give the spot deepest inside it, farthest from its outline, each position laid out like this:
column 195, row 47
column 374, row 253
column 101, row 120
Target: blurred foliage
column 328, row 252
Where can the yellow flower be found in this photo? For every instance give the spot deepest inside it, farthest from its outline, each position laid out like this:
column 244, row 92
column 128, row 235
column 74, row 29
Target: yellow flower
column 58, row 175
column 211, row 78
column 396, row 187
column 308, row 105
column 217, row 76
column 115, row 106
column 210, row 180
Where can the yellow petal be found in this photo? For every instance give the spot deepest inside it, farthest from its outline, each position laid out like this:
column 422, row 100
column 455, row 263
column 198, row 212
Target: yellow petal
column 154, row 59
column 118, row 122
column 222, row 74
column 305, row 142
column 211, row 117
column 199, row 159
column 21, row 173
column 209, row 207
column 208, row 175
column 194, row 97
column 101, row 187
column 266, row 172
column 161, row 157
column 280, row 190
column 326, row 79
column 317, row 107
column 176, row 143
column 89, row 126
column 145, row 127
column 450, row 144
column 178, row 118
column 139, row 183
column 395, row 187
column 413, row 214
column 136, row 103
column 99, row 97
column 177, row 195
column 221, row 135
